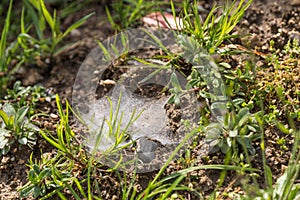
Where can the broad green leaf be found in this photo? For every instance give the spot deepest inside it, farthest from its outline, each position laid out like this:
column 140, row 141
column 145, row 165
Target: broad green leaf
column 225, row 146
column 242, row 112
column 243, row 116
column 233, row 133
column 232, row 118
column 229, row 141
column 175, row 82
column 44, row 173
column 3, row 142
column 36, row 169
column 23, row 140
column 5, row 150
column 252, row 128
column 31, row 175
column 32, row 127
column 26, row 191
column 9, row 109
column 238, row 101
column 21, row 113
column 4, row 132
column 36, row 191
column 244, row 130
column 212, row 134
column 280, row 185
column 4, row 117
column 226, row 65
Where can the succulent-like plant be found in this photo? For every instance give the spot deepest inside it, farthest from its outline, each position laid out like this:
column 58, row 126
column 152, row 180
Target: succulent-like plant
column 234, row 130
column 15, row 126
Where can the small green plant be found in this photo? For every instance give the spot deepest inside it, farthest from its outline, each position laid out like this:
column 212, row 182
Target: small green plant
column 126, row 13
column 15, row 126
column 42, row 18
column 236, row 130
column 217, row 27
column 162, row 188
column 40, row 178
column 27, row 96
column 4, row 57
column 3, row 53
column 51, row 176
column 292, row 48
column 285, row 188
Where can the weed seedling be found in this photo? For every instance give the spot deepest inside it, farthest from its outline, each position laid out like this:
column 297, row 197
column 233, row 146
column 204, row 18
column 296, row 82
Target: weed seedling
column 126, row 14
column 217, row 27
column 42, row 18
column 15, row 126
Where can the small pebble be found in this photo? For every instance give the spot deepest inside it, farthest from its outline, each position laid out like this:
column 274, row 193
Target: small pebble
column 96, row 72
column 53, row 116
column 107, row 82
column 94, row 80
column 291, row 22
column 47, row 60
column 21, row 162
column 46, row 124
column 75, row 33
column 114, row 197
column 5, row 159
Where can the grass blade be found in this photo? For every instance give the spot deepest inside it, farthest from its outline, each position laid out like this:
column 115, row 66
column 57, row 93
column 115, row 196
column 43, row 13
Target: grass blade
column 3, row 40
column 47, row 16
column 77, row 24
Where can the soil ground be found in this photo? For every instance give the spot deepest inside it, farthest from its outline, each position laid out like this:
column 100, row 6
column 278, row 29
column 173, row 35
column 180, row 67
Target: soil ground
column 265, row 20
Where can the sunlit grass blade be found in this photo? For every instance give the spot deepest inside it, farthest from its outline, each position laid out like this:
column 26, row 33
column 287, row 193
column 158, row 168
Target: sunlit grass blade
column 3, row 40
column 106, row 54
column 75, row 195
column 63, row 197
column 156, row 41
column 51, row 141
column 110, row 19
column 173, row 187
column 76, row 24
column 51, row 21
